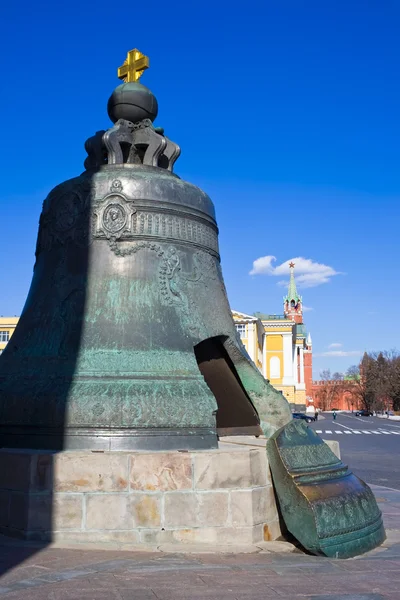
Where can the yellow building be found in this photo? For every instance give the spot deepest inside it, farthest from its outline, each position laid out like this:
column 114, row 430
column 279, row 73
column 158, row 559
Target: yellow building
column 7, row 327
column 251, row 333
column 280, row 347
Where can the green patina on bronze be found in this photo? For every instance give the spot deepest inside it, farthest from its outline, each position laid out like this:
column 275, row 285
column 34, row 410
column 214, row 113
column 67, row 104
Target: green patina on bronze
column 127, row 282
column 324, row 505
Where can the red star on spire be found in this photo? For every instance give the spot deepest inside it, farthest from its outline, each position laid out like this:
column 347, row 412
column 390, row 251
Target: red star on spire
column 291, row 265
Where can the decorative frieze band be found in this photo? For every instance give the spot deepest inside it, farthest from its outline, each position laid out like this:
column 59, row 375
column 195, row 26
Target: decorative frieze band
column 67, row 213
column 130, row 223
column 172, row 226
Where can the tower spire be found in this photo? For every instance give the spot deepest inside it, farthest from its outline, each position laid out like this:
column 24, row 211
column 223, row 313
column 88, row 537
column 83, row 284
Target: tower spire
column 292, row 302
column 292, row 290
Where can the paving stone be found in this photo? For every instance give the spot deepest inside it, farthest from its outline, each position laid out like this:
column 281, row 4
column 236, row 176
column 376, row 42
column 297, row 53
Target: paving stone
column 272, row 531
column 196, row 509
column 93, row 594
column 137, row 594
column 86, row 486
column 252, row 507
column 367, row 565
column 212, row 509
column 19, row 508
column 180, row 510
column 207, row 549
column 85, row 472
column 67, row 511
column 5, row 508
column 35, row 594
column 372, row 582
column 96, row 540
column 230, row 470
column 301, row 588
column 216, row 535
column 154, row 537
column 42, row 470
column 350, row 597
column 276, row 547
column 188, row 595
column 108, row 511
column 145, row 509
column 261, row 596
column 33, row 512
column 22, row 572
column 15, row 470
column 162, row 471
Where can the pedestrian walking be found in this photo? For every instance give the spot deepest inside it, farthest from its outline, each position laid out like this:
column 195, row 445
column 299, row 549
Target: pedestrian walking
column 316, row 416
column 334, row 415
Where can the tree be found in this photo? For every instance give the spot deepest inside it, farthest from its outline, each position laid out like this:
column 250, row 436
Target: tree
column 374, row 384
column 329, row 389
column 370, row 381
column 356, row 387
column 382, row 376
column 392, row 391
column 366, row 383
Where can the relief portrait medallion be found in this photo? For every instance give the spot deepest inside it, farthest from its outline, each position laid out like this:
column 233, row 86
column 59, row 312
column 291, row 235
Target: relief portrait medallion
column 114, row 218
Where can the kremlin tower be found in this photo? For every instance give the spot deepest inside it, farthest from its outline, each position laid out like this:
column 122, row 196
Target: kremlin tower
column 281, row 348
column 293, row 309
column 292, row 302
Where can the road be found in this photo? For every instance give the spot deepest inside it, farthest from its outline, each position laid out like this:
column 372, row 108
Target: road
column 369, row 446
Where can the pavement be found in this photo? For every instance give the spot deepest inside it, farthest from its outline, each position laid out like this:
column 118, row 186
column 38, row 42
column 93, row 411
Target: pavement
column 267, row 572
column 369, row 445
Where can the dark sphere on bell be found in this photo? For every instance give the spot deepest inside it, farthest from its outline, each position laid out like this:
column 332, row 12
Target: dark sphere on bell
column 132, row 101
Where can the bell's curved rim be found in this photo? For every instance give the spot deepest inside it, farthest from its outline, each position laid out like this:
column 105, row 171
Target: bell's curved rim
column 138, row 439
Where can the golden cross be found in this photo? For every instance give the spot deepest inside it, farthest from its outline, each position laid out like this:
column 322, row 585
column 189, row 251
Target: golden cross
column 133, row 67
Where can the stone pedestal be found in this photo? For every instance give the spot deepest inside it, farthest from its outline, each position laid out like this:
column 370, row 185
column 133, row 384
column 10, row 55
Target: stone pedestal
column 221, row 496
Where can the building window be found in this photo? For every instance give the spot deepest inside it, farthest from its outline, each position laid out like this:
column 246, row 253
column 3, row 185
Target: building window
column 4, row 336
column 274, row 368
column 241, row 329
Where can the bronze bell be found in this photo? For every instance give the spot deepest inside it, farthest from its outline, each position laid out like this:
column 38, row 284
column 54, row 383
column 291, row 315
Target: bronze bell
column 126, row 340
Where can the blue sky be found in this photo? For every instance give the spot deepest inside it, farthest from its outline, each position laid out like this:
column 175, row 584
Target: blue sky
column 287, row 115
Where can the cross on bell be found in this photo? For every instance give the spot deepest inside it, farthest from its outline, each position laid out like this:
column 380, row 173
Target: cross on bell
column 133, row 67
